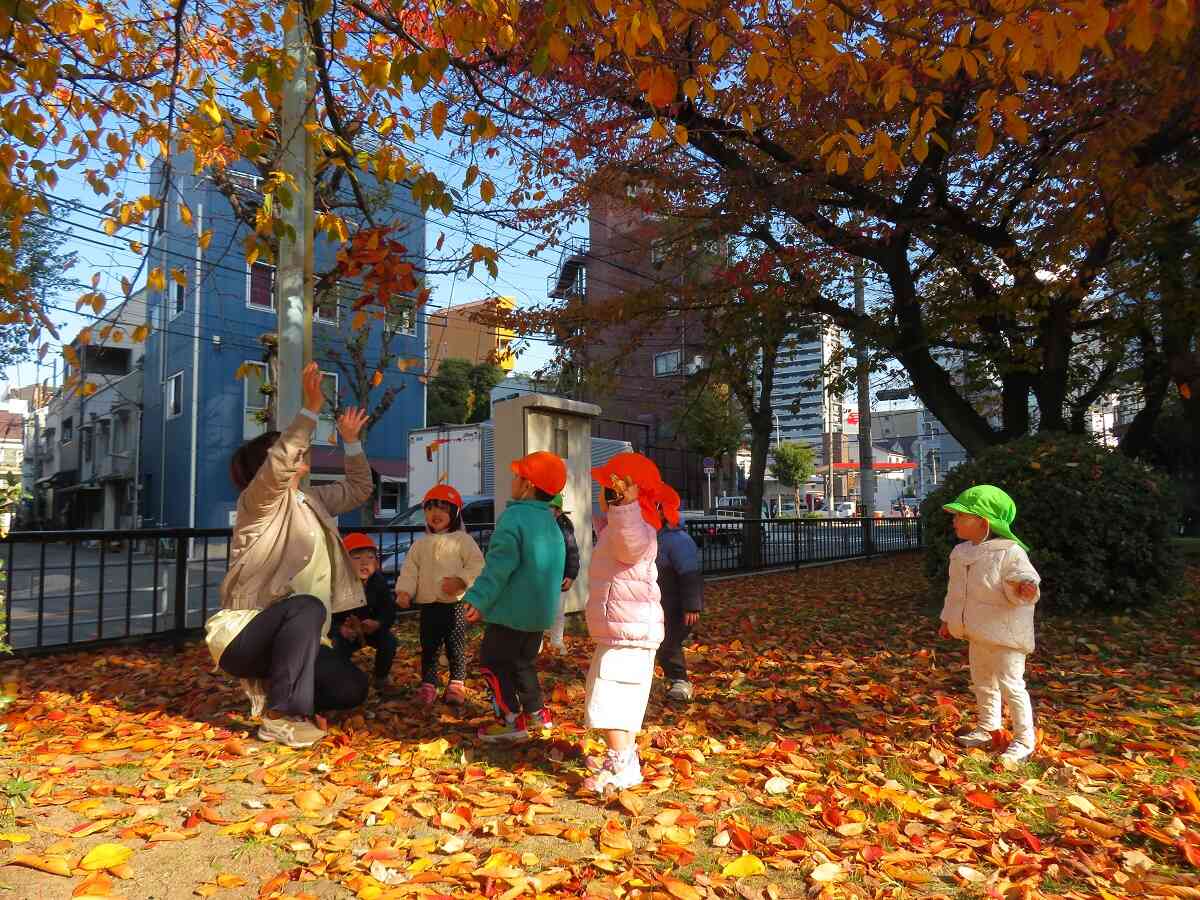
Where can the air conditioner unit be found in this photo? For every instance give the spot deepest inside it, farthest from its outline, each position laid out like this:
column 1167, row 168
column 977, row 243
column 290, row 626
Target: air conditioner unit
column 696, row 364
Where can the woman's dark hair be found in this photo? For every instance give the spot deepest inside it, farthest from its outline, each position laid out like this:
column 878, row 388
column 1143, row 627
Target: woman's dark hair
column 539, row 494
column 456, row 523
column 249, row 457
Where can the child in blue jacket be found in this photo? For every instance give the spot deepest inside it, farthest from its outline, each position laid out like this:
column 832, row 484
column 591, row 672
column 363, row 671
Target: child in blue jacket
column 681, row 582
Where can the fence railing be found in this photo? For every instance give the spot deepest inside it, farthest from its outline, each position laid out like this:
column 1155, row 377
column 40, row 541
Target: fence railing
column 71, row 589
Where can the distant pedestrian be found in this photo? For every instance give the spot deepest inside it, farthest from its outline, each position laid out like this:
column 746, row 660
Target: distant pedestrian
column 681, row 583
column 518, row 595
column 372, row 626
column 989, row 602
column 570, row 569
column 439, row 567
column 288, row 574
column 624, row 616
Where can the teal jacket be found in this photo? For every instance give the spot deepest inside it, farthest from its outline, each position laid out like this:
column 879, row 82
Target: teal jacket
column 521, row 582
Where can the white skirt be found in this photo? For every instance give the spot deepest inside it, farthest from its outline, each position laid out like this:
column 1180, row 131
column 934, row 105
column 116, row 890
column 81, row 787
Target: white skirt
column 618, row 687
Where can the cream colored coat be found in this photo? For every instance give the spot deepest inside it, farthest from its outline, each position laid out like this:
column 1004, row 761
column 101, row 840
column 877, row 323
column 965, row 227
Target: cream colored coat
column 433, row 557
column 981, row 606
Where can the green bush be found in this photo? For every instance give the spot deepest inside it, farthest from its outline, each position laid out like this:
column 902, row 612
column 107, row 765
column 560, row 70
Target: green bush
column 1098, row 524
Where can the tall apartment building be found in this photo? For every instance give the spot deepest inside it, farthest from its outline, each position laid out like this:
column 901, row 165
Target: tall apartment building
column 806, row 413
column 470, row 332
column 197, row 410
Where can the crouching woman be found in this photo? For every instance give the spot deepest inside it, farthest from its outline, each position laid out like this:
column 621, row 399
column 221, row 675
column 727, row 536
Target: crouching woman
column 288, row 573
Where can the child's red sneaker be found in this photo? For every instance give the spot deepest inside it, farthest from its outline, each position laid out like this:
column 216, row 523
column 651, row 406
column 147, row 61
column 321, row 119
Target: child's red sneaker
column 426, row 693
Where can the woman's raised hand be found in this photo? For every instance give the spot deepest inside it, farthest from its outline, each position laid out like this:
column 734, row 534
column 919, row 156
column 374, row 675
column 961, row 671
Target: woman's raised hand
column 314, row 397
column 351, row 424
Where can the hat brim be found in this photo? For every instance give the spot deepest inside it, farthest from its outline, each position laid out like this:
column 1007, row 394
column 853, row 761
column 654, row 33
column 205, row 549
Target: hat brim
column 997, row 528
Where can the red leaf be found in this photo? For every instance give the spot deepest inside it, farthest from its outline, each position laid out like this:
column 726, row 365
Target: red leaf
column 982, row 800
column 1030, row 841
column 871, row 854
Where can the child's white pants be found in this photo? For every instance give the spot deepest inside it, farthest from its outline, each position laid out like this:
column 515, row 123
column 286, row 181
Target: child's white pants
column 998, row 673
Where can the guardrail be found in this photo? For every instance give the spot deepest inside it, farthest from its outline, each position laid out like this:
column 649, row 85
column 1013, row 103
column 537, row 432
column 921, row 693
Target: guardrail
column 72, row 589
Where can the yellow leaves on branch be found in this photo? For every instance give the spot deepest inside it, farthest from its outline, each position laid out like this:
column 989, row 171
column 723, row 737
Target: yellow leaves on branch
column 660, row 86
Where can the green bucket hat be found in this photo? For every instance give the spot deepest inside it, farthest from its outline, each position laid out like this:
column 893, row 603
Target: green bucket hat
column 991, row 503
column 557, row 501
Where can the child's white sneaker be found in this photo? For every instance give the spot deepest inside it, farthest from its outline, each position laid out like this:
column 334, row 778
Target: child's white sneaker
column 295, row 733
column 976, row 737
column 621, row 771
column 1018, row 751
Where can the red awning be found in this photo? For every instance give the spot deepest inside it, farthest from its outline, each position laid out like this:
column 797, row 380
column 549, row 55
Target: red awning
column 331, row 459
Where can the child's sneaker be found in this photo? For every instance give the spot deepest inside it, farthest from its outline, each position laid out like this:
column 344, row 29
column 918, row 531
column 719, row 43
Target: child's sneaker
column 510, row 731
column 621, row 771
column 295, row 733
column 456, row 693
column 976, row 737
column 680, row 690
column 536, row 721
column 426, row 693
column 1018, row 751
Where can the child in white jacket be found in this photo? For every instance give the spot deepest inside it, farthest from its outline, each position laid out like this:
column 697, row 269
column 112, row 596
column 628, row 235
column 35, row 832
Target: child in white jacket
column 437, row 571
column 989, row 601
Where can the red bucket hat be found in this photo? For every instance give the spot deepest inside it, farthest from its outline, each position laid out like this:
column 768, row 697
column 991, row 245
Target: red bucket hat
column 543, row 470
column 642, row 472
column 669, row 502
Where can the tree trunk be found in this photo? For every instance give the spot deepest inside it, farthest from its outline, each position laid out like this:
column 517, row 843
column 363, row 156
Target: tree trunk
column 760, row 442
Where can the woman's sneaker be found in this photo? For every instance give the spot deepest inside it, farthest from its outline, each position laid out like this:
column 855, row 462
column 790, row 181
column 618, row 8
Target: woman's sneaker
column 681, row 691
column 426, row 693
column 621, row 771
column 510, row 731
column 976, row 737
column 456, row 694
column 296, row 733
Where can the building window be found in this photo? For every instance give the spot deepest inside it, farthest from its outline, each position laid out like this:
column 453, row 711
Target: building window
column 255, row 400
column 260, row 286
column 175, row 395
column 180, row 293
column 669, row 363
column 119, row 430
column 328, row 304
column 402, row 319
column 391, row 496
column 68, row 430
column 85, row 443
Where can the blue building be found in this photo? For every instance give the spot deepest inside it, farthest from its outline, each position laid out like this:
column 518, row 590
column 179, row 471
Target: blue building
column 197, row 411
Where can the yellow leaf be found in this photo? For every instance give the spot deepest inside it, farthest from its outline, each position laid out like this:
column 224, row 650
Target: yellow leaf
column 437, row 118
column 105, row 856
column 155, row 280
column 178, row 276
column 310, row 801
column 230, row 881
column 487, row 190
column 681, row 135
column 744, row 866
column 657, row 131
column 185, row 213
column 205, row 239
column 14, row 837
column 433, row 749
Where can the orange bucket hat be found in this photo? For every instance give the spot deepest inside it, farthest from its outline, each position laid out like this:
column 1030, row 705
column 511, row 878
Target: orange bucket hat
column 358, row 541
column 445, row 493
column 642, row 472
column 543, row 470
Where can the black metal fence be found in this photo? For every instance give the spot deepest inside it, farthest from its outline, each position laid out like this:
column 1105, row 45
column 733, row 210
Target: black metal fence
column 67, row 589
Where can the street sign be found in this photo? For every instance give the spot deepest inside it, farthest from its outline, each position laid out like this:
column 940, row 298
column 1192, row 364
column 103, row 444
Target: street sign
column 710, row 465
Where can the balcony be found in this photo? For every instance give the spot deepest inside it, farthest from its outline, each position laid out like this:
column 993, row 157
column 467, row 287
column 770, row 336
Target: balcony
column 570, row 276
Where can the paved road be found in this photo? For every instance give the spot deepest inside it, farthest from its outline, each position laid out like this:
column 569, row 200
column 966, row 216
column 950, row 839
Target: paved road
column 132, row 592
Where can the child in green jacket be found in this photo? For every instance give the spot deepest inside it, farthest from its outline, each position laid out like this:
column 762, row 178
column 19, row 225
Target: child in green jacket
column 517, row 595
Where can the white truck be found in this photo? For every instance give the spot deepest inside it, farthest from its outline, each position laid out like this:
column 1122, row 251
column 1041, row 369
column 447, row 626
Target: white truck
column 464, row 456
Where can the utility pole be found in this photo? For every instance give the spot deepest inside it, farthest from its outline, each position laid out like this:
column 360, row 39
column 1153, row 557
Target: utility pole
column 294, row 275
column 866, row 452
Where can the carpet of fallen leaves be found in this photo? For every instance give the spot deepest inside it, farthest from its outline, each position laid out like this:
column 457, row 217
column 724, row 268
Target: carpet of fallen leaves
column 817, row 759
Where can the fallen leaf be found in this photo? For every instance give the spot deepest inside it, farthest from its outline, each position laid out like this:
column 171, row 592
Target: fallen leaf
column 828, row 872
column 105, row 856
column 53, row 865
column 745, row 865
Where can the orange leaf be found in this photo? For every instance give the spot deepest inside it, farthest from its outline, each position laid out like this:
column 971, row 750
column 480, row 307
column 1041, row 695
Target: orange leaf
column 680, row 889
column 53, row 865
column 982, row 800
column 310, row 801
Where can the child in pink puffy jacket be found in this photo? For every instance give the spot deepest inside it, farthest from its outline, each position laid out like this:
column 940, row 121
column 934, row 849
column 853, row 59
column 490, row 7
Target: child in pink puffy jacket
column 624, row 616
